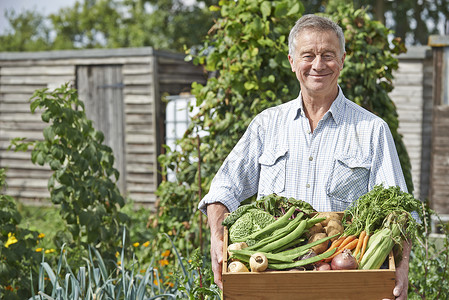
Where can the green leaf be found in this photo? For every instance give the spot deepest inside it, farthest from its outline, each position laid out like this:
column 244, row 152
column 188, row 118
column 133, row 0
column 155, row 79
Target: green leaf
column 49, row 134
column 281, row 10
column 265, row 8
column 295, row 9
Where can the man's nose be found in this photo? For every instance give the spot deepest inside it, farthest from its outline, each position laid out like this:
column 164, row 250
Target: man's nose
column 318, row 63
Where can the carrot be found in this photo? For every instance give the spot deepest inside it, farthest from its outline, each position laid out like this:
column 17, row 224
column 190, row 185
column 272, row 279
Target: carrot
column 347, row 240
column 336, row 243
column 351, row 245
column 359, row 244
column 365, row 242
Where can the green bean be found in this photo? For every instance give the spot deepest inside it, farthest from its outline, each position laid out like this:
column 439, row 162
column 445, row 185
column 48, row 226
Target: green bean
column 286, row 239
column 299, row 263
column 269, row 256
column 277, row 234
column 301, row 249
column 294, row 243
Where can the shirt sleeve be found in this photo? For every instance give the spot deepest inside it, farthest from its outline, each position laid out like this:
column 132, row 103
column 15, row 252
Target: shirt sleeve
column 386, row 167
column 238, row 177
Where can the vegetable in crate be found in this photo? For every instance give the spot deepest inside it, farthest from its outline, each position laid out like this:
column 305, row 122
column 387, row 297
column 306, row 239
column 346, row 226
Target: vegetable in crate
column 381, row 215
column 252, row 220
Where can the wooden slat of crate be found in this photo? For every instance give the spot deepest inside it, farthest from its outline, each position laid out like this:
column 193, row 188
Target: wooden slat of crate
column 285, row 285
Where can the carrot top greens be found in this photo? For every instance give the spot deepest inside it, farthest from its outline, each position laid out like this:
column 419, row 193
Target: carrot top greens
column 370, row 210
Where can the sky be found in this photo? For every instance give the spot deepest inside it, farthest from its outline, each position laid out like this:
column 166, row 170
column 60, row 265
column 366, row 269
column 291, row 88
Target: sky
column 45, row 7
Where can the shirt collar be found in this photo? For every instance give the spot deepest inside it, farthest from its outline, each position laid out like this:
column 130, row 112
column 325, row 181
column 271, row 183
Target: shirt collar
column 336, row 109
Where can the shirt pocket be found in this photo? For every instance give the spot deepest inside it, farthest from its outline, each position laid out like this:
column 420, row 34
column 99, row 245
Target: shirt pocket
column 348, row 180
column 272, row 171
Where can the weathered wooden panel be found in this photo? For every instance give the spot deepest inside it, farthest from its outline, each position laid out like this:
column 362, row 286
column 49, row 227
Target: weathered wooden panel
column 138, row 99
column 21, row 71
column 38, row 79
column 100, row 87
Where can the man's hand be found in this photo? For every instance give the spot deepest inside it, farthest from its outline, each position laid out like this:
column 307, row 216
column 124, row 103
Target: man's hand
column 215, row 215
column 401, row 289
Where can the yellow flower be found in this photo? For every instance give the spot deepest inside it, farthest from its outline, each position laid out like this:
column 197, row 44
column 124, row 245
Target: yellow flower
column 166, row 253
column 11, row 240
column 190, row 261
column 41, row 235
column 146, row 244
column 39, row 250
column 49, row 251
column 136, row 244
column 119, row 263
column 117, row 254
column 163, row 262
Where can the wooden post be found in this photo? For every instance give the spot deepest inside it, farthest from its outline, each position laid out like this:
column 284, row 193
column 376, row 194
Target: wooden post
column 439, row 181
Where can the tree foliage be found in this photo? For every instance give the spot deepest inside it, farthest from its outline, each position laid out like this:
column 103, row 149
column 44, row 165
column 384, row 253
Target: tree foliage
column 413, row 21
column 162, row 24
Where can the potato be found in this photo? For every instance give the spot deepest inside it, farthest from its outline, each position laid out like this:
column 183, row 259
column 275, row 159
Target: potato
column 329, row 216
column 333, row 232
column 320, row 248
column 334, row 224
column 317, row 228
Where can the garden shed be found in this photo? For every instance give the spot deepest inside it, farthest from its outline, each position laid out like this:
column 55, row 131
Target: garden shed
column 122, row 90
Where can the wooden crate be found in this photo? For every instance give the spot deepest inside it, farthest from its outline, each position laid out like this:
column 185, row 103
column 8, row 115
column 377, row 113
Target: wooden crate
column 284, row 285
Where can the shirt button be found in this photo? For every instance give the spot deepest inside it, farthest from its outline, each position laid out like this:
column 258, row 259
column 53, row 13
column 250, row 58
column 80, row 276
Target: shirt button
column 307, row 185
column 309, row 132
column 310, row 158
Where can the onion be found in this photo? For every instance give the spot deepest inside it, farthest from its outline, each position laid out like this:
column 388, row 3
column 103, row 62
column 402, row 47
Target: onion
column 322, row 266
column 344, row 261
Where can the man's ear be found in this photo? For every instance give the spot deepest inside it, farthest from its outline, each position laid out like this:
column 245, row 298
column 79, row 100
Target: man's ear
column 343, row 61
column 290, row 59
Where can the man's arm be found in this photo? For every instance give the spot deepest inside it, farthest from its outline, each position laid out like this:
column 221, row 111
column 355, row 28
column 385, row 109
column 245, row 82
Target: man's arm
column 216, row 213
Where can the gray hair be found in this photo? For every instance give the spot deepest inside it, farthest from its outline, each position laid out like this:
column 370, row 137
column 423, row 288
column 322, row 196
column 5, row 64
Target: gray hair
column 316, row 23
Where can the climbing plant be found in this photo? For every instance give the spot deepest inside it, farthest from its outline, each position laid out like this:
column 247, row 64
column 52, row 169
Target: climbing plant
column 246, row 51
column 367, row 76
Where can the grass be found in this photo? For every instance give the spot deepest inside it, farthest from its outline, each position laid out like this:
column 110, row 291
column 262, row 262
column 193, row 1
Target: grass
column 43, row 219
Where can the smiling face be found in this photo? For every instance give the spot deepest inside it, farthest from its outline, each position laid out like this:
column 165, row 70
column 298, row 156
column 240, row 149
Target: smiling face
column 317, row 63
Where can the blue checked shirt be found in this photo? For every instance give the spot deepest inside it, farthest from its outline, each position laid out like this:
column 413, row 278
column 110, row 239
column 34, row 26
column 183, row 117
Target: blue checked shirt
column 349, row 152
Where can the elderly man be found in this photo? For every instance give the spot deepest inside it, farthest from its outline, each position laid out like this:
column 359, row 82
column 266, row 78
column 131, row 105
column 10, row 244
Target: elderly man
column 321, row 147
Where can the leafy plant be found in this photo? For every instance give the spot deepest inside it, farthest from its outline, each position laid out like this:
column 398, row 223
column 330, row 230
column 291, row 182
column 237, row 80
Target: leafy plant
column 247, row 49
column 429, row 261
column 127, row 281
column 83, row 183
column 367, row 76
column 17, row 249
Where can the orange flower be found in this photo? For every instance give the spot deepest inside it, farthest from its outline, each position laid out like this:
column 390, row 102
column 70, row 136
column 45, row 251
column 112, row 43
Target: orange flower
column 155, row 282
column 163, row 262
column 170, row 284
column 41, row 235
column 9, row 288
column 146, row 244
column 136, row 244
column 166, row 253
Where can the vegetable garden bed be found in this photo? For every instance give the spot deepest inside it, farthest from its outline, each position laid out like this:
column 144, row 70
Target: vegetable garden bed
column 296, row 284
